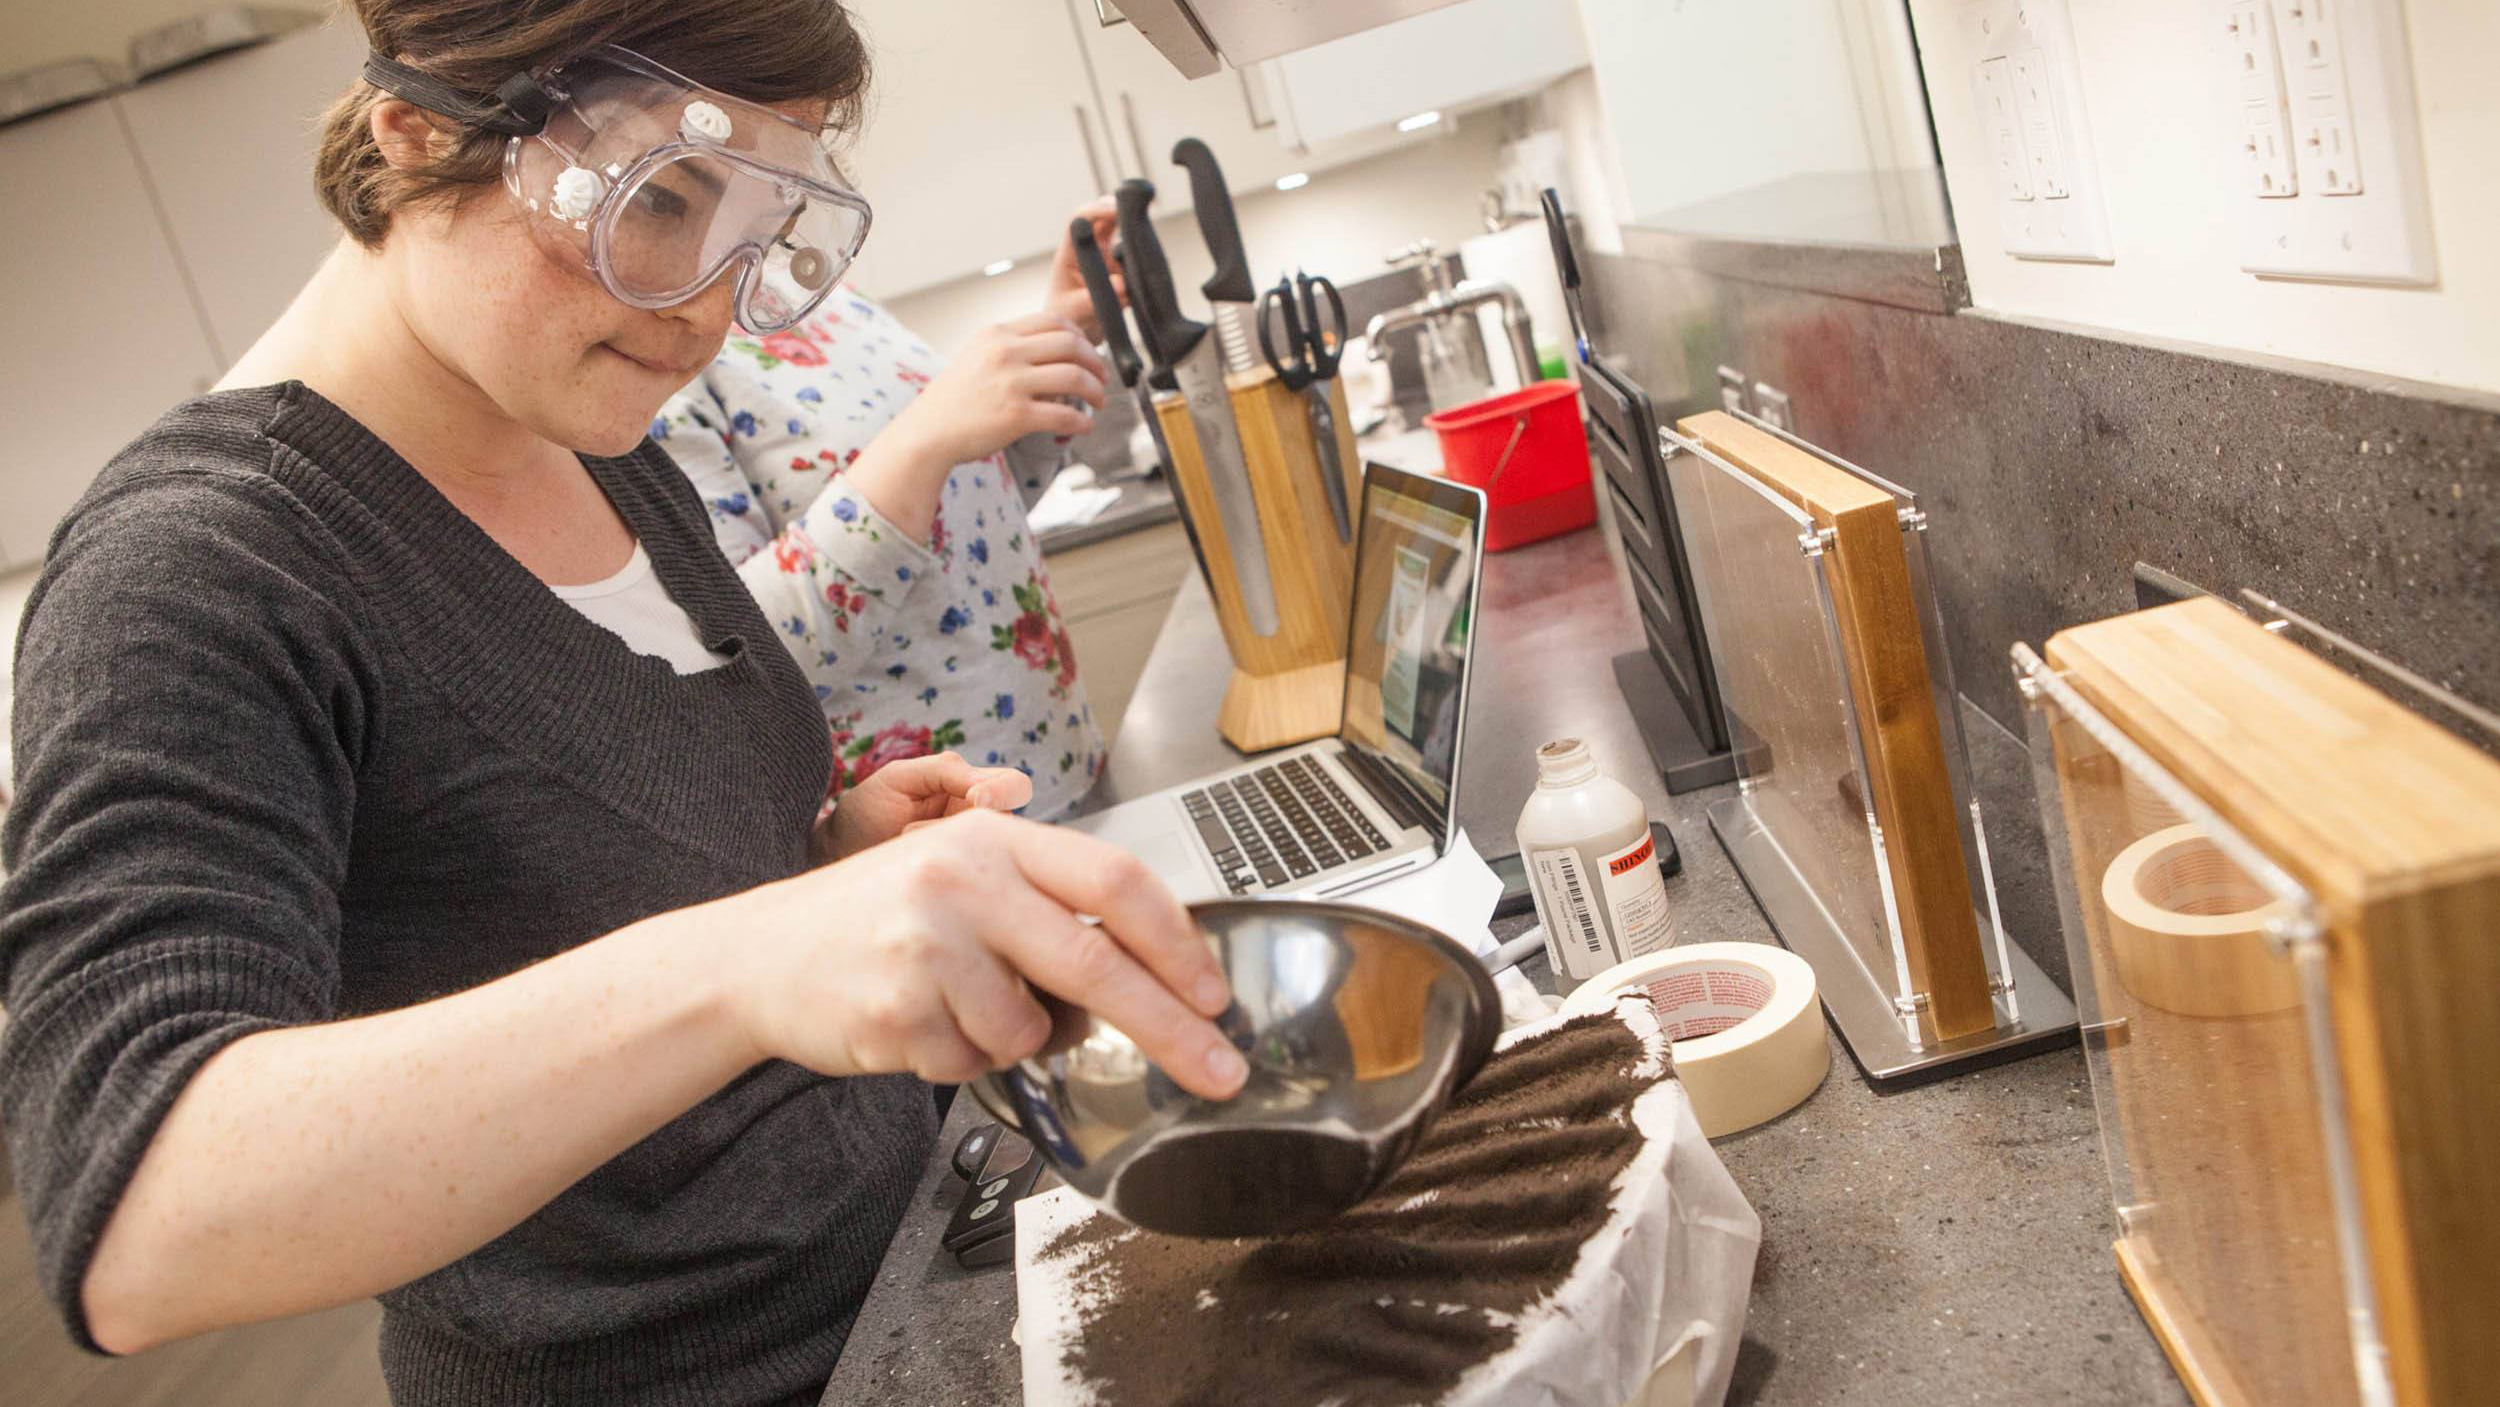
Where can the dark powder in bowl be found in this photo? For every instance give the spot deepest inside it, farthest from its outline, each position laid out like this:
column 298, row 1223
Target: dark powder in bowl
column 1392, row 1303
column 1224, row 1182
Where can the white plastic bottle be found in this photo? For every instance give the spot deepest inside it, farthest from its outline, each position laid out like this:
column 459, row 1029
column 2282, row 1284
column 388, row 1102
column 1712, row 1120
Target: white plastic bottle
column 1592, row 867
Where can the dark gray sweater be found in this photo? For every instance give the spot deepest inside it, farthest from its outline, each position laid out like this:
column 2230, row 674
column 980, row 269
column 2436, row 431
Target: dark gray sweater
column 295, row 740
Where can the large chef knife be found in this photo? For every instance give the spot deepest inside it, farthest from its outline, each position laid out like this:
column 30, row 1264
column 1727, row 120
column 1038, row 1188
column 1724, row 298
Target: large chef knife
column 1125, row 363
column 1197, row 367
column 1228, row 290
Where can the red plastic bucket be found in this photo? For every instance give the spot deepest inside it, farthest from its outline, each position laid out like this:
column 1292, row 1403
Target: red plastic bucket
column 1529, row 453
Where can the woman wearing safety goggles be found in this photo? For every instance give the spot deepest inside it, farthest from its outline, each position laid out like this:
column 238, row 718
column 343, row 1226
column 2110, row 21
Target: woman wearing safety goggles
column 415, row 887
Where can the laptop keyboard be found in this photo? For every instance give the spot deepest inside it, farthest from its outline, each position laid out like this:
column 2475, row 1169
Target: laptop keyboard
column 1284, row 822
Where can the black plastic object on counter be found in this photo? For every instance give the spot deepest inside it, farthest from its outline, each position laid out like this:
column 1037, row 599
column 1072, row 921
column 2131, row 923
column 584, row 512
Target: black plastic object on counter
column 1672, row 687
column 1001, row 1168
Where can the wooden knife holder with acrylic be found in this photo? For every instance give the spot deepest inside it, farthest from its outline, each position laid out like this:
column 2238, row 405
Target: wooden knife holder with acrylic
column 2282, row 892
column 1286, row 687
column 1926, row 882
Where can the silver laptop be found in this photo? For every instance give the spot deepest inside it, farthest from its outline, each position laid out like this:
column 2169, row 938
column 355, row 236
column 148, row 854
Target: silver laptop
column 1381, row 798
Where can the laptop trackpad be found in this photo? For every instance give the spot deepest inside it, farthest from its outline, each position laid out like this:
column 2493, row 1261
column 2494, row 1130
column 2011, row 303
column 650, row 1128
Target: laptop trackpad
column 1173, row 858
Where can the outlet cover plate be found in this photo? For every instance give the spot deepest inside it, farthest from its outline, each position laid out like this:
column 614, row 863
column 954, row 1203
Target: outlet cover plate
column 2048, row 186
column 2347, row 81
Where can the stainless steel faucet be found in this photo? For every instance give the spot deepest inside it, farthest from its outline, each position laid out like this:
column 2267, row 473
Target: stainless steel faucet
column 1445, row 299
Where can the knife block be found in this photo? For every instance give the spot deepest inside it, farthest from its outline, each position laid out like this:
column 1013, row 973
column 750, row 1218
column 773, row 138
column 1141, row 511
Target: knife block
column 2291, row 1004
column 1898, row 725
column 1287, row 687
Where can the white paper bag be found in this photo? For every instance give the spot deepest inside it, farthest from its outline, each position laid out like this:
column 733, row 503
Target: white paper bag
column 1670, row 1271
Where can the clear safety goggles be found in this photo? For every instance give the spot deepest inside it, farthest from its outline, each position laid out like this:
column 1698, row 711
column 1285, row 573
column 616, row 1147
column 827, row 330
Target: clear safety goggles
column 656, row 185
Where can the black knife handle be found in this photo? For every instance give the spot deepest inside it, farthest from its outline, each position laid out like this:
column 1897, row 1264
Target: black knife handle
column 1566, row 263
column 1230, row 283
column 1170, row 336
column 1107, row 310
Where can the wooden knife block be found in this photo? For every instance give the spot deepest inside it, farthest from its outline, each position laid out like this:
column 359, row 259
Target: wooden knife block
column 1900, row 735
column 1286, row 687
column 2392, row 827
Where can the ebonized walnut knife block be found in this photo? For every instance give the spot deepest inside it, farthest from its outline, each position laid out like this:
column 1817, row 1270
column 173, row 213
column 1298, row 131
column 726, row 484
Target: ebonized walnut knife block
column 1287, row 687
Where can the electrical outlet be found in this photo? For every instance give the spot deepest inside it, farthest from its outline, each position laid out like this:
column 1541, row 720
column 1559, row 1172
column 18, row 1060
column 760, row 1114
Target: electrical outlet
column 1732, row 389
column 2048, row 190
column 1775, row 409
column 2265, row 122
column 2338, row 72
column 2005, row 138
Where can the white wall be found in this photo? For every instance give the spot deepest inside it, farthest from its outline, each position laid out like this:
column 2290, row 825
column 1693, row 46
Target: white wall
column 2165, row 169
column 1710, row 97
column 1340, row 225
column 1597, row 190
column 38, row 32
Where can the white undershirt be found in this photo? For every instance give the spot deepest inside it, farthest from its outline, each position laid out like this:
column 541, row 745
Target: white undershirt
column 635, row 607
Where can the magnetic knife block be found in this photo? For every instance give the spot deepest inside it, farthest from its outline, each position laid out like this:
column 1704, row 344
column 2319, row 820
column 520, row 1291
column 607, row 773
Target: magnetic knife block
column 1287, row 687
column 1899, row 735
column 2290, row 982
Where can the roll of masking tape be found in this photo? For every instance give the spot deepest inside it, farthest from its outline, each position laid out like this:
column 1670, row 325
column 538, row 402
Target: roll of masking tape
column 1747, row 1035
column 2187, row 929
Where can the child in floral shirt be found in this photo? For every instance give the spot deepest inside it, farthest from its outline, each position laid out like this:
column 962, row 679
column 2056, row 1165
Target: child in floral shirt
column 917, row 602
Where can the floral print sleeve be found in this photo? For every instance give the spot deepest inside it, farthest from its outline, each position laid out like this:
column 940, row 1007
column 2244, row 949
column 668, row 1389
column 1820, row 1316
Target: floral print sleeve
column 913, row 647
column 694, row 428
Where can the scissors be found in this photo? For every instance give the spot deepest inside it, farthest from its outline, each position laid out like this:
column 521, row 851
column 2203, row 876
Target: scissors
column 1306, row 364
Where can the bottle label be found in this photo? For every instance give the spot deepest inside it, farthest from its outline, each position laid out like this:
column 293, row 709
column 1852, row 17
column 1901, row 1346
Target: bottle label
column 1570, row 901
column 1636, row 897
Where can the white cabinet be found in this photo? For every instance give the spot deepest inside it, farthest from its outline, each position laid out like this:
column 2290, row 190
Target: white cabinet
column 101, row 334
column 1461, row 56
column 228, row 145
column 1150, row 106
column 982, row 136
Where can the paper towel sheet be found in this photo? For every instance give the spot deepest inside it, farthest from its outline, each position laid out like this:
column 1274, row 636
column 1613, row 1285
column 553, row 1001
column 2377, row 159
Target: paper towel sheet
column 1673, row 1265
column 1456, row 895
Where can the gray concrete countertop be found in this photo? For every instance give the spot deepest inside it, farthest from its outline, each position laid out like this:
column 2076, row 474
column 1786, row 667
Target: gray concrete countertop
column 1944, row 1243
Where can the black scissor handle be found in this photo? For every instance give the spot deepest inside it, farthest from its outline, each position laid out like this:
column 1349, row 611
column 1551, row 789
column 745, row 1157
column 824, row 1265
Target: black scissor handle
column 1325, row 339
column 1293, row 365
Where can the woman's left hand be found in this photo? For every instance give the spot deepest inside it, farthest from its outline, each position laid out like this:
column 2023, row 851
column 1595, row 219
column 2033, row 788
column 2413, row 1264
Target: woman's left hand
column 914, row 791
column 1066, row 296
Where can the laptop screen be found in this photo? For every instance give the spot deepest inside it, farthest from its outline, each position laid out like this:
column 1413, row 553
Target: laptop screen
column 1415, row 571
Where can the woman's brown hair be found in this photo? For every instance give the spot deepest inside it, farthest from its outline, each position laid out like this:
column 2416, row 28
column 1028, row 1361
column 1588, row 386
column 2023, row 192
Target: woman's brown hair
column 766, row 51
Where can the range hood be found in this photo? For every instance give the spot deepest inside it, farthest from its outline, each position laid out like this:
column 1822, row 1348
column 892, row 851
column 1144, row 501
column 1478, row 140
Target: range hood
column 1201, row 36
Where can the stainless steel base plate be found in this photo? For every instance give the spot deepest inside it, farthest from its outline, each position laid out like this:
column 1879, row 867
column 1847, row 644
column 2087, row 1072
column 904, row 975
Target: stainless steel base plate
column 1868, row 1022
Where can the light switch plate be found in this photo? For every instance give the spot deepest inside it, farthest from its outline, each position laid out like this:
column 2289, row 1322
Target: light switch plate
column 2048, row 186
column 2360, row 210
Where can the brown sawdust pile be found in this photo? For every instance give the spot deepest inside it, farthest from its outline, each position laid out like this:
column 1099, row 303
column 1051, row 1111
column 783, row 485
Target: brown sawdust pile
column 1393, row 1302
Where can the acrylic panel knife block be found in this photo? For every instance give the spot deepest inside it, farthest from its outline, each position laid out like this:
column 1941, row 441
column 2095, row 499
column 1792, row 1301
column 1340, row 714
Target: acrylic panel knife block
column 1287, row 687
column 1854, row 825
column 2281, row 892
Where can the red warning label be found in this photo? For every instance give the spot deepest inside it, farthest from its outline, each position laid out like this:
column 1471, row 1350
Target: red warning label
column 1631, row 860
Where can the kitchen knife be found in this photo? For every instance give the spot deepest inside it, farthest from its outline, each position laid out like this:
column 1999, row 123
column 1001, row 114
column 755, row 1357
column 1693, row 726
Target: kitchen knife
column 1228, row 290
column 1566, row 269
column 1197, row 367
column 1125, row 364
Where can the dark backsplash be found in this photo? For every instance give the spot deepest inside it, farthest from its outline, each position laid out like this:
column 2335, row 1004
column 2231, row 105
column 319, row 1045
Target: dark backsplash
column 2050, row 461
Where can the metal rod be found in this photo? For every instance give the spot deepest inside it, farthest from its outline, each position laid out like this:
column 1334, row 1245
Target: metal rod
column 1085, row 134
column 2465, row 708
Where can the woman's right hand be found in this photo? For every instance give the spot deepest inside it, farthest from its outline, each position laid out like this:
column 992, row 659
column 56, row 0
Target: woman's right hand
column 1009, row 381
column 922, row 955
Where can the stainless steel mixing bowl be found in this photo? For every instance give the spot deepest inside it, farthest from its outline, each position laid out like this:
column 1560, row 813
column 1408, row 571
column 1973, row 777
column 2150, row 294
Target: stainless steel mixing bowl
column 1357, row 1027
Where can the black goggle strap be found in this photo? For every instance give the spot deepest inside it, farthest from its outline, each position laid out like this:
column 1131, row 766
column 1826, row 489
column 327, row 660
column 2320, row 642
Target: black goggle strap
column 519, row 109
